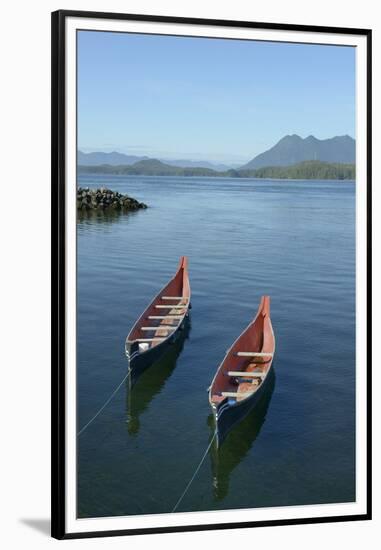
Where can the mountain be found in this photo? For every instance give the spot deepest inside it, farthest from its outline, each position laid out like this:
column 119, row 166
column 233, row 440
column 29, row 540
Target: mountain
column 184, row 163
column 98, row 158
column 294, row 149
column 148, row 167
column 152, row 167
column 307, row 170
column 121, row 159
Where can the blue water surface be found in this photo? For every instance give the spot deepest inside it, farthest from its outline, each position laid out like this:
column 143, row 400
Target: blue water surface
column 293, row 240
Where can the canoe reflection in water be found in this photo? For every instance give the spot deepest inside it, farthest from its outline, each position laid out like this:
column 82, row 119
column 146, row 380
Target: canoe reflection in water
column 141, row 391
column 225, row 458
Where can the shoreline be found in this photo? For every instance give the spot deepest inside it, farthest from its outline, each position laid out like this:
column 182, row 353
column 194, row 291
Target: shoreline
column 316, row 180
column 306, row 170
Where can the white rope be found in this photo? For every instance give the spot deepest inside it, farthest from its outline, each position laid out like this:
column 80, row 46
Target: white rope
column 104, row 405
column 195, row 473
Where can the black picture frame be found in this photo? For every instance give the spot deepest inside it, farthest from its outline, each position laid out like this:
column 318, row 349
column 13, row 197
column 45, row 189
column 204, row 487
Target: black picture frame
column 58, row 318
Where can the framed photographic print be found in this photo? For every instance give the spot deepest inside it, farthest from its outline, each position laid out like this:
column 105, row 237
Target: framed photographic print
column 211, row 187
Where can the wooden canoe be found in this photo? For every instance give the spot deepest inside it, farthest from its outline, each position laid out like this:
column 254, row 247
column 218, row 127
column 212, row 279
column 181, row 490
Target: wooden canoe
column 242, row 377
column 161, row 323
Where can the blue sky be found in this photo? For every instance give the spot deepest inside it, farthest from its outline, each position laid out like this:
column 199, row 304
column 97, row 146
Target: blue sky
column 215, row 99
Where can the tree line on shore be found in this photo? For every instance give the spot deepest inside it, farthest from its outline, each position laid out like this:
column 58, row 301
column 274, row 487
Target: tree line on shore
column 310, row 169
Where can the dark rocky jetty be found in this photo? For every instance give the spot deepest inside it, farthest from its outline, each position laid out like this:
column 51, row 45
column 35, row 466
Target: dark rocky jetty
column 105, row 199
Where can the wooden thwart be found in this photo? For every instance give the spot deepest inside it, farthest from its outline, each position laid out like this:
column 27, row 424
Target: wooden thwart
column 164, row 316
column 253, row 354
column 246, row 374
column 237, row 394
column 151, row 339
column 174, row 298
column 159, row 327
column 177, row 306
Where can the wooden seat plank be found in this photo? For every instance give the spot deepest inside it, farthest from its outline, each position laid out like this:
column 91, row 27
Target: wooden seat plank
column 159, row 327
column 243, row 374
column 174, row 298
column 149, row 339
column 237, row 394
column 253, row 354
column 171, row 306
column 164, row 316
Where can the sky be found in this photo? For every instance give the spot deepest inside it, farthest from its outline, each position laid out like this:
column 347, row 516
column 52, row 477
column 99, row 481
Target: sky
column 208, row 99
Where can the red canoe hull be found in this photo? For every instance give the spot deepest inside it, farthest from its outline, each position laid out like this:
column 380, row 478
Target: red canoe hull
column 251, row 356
column 161, row 323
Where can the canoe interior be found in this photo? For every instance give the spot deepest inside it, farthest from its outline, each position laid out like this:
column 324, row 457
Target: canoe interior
column 257, row 337
column 175, row 295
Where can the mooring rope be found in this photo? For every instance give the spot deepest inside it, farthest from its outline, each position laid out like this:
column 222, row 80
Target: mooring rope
column 104, row 405
column 195, row 473
column 199, row 464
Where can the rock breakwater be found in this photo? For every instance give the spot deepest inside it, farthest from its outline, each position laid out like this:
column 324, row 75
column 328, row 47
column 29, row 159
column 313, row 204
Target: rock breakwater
column 105, row 199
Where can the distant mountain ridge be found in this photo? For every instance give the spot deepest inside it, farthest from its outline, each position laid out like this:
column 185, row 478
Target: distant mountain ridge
column 121, row 159
column 114, row 158
column 290, row 150
column 149, row 167
column 184, row 163
column 293, row 149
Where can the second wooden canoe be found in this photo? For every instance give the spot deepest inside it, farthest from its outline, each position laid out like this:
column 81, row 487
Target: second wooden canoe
column 241, row 378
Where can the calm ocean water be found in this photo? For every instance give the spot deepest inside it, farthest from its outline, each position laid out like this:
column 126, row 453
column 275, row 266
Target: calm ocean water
column 292, row 240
